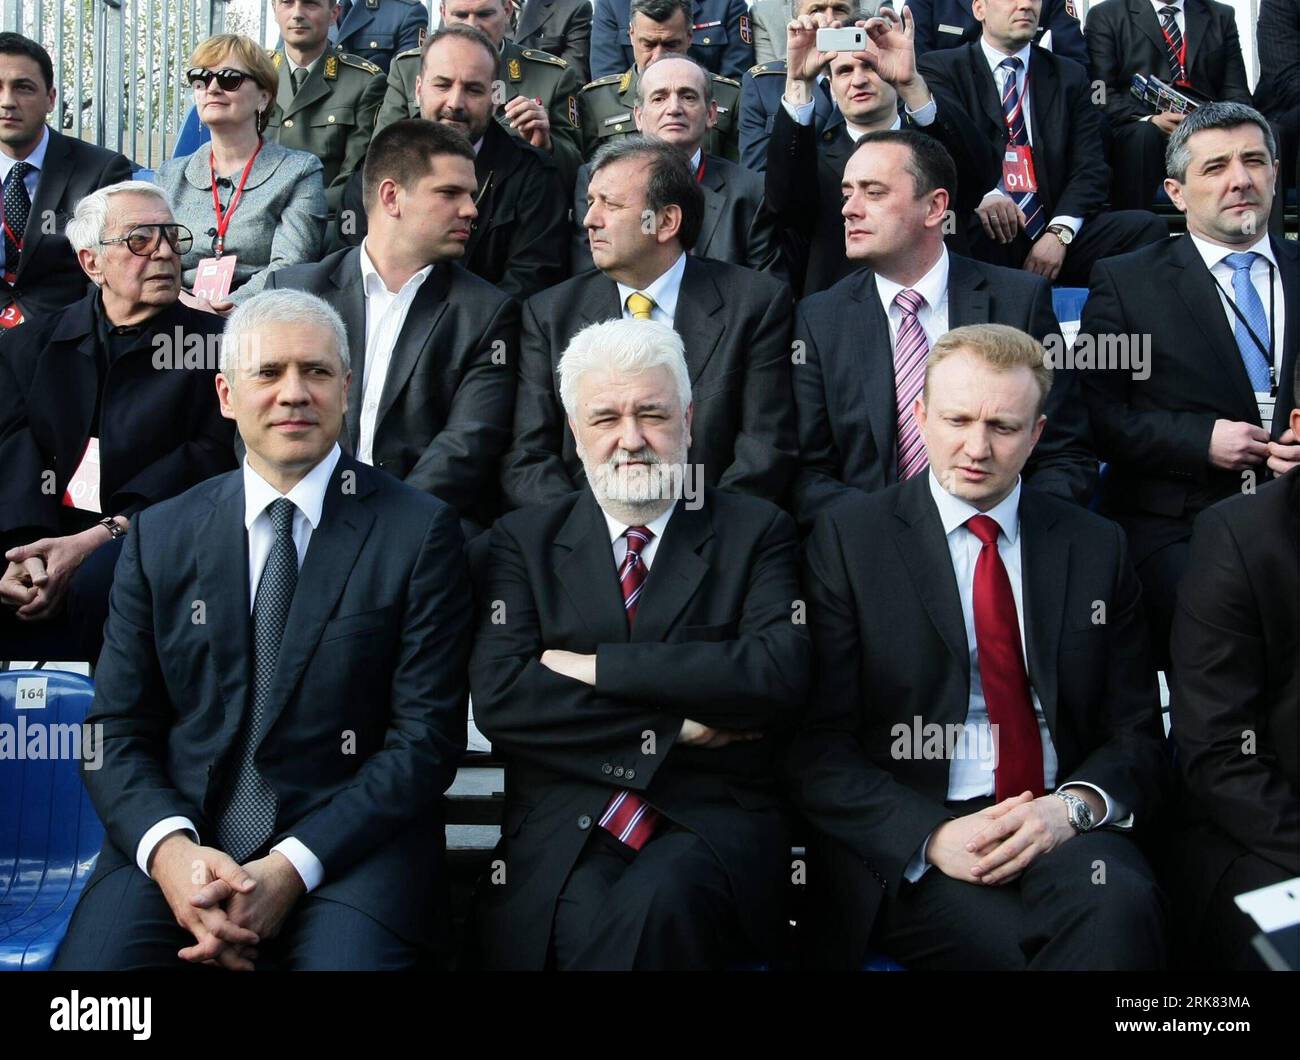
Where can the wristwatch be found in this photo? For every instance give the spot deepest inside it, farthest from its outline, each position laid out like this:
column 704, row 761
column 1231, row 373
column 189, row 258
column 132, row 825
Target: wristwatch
column 1062, row 232
column 114, row 530
column 1080, row 813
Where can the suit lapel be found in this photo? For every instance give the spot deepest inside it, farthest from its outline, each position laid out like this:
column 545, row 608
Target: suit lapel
column 534, row 15
column 875, row 373
column 986, row 89
column 1144, row 14
column 1285, row 252
column 1196, row 20
column 968, row 295
column 313, row 89
column 675, row 575
column 335, row 544
column 487, row 173
column 698, row 319
column 1044, row 570
column 426, row 310
column 584, row 566
column 1043, row 88
column 50, row 185
column 350, row 301
column 715, row 200
column 599, row 303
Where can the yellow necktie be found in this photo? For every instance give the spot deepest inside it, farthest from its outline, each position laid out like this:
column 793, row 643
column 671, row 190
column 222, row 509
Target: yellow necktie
column 640, row 304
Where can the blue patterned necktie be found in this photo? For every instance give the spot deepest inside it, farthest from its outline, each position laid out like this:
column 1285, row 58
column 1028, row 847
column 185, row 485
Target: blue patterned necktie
column 246, row 819
column 1018, row 136
column 1250, row 307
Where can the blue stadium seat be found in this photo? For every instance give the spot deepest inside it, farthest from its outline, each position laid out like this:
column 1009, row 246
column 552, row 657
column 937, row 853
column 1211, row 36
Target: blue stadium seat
column 878, row 962
column 1068, row 302
column 194, row 134
column 49, row 834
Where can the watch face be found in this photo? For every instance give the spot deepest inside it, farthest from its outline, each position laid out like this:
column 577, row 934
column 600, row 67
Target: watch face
column 1082, row 815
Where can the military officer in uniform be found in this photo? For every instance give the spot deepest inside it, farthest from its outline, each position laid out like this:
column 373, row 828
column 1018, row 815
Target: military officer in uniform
column 559, row 27
column 327, row 100
column 527, row 76
column 379, row 29
column 659, row 27
column 721, row 39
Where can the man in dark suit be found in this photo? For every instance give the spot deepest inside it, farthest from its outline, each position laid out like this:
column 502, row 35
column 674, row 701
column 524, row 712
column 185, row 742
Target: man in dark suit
column 805, row 170
column 557, row 27
column 1189, row 43
column 721, row 38
column 984, row 730
column 1277, row 94
column 45, row 174
column 282, row 691
column 854, row 383
column 1045, row 212
column 1235, row 712
column 432, row 384
column 636, row 666
column 675, row 105
column 518, row 242
column 735, row 323
column 1182, row 345
column 106, row 407
column 951, row 23
column 378, row 29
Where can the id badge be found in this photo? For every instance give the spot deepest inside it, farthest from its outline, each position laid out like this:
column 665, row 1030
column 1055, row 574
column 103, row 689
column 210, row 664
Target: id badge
column 213, row 276
column 1018, row 170
column 1266, row 402
column 11, row 316
column 83, row 487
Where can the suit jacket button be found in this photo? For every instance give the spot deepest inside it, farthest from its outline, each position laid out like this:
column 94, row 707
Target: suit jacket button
column 584, row 822
column 618, row 771
column 374, row 44
column 607, row 769
column 288, row 123
column 630, row 774
column 330, row 119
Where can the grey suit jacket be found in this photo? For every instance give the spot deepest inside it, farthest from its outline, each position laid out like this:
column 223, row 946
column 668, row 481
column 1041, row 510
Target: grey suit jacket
column 738, row 228
column 447, row 402
column 280, row 219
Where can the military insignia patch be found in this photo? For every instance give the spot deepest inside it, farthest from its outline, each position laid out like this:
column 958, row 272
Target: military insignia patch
column 516, row 72
column 573, row 111
column 747, row 35
column 276, row 59
column 331, row 67
column 1071, row 10
column 624, row 84
column 424, row 32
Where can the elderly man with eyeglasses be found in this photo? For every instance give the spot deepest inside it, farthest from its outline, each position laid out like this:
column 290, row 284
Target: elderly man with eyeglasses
column 106, row 406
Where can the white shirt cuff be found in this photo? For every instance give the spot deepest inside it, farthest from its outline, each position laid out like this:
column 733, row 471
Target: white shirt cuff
column 997, row 191
column 303, row 860
column 918, row 866
column 1117, row 815
column 144, row 849
column 1074, row 224
column 924, row 116
column 802, row 114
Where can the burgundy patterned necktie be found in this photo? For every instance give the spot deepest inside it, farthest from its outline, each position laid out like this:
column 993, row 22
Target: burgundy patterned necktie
column 628, row 817
column 1002, row 670
column 910, row 351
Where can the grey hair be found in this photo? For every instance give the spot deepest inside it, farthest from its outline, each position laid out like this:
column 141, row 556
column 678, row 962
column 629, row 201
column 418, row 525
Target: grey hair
column 624, row 346
column 704, row 73
column 1178, row 156
column 278, row 307
column 85, row 227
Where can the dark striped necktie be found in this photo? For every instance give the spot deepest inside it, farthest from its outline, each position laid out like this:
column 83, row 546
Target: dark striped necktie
column 1173, row 42
column 1013, row 112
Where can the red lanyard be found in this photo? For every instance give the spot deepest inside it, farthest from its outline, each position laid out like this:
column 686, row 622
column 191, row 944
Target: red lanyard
column 223, row 219
column 699, row 173
column 4, row 222
column 1181, row 54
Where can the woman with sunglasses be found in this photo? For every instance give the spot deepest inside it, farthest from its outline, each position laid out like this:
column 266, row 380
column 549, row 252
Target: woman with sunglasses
column 244, row 198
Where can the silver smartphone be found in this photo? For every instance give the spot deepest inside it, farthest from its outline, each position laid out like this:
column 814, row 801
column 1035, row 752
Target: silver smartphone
column 847, row 39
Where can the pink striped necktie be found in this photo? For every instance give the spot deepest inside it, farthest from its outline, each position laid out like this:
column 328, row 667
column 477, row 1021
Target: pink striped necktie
column 911, row 348
column 628, row 817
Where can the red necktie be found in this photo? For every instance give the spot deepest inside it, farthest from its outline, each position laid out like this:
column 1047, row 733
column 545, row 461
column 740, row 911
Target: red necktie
column 627, row 816
column 1002, row 670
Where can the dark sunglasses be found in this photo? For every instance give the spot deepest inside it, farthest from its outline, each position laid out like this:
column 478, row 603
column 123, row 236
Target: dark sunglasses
column 228, row 80
column 143, row 240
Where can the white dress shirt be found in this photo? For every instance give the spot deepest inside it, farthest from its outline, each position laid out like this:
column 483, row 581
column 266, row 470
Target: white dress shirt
column 308, row 498
column 993, row 57
column 385, row 314
column 803, row 115
column 664, row 291
column 618, row 540
column 933, row 287
column 37, row 161
column 969, row 775
column 309, row 67
column 1265, row 277
column 1180, row 17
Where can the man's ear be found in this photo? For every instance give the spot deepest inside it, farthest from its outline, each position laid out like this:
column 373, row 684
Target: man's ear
column 1295, row 422
column 713, row 113
column 671, row 225
column 1174, row 189
column 89, row 262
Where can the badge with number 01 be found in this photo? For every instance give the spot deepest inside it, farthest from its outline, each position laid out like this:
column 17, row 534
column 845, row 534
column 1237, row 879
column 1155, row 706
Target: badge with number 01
column 1018, row 170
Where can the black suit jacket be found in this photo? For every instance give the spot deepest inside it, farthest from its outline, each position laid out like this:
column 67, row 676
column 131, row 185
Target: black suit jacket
column 1124, row 39
column 1155, row 432
column 1065, row 127
column 1278, row 36
column 49, row 275
column 1236, row 670
column 846, row 399
column 160, row 426
column 805, row 171
column 712, row 642
column 445, row 412
column 737, row 226
column 375, row 643
column 559, row 27
column 890, row 647
column 735, row 324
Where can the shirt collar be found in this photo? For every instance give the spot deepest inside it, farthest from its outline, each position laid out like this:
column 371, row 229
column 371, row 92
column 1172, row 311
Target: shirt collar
column 1212, row 253
column 664, row 290
column 310, row 66
column 1158, row 4
column 308, row 495
column 954, row 512
column 992, row 56
column 373, row 283
column 933, row 286
column 36, row 159
column 656, row 526
column 695, row 159
column 857, row 132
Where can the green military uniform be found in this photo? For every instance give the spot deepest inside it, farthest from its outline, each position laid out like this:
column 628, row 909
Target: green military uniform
column 332, row 116
column 522, row 72
column 607, row 113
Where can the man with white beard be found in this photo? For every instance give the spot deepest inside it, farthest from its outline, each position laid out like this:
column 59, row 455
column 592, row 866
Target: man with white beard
column 636, row 663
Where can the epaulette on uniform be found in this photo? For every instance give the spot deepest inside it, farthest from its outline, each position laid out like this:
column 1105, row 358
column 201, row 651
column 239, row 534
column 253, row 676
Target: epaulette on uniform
column 361, row 64
column 719, row 79
column 407, row 54
column 609, row 79
column 544, row 57
column 777, row 67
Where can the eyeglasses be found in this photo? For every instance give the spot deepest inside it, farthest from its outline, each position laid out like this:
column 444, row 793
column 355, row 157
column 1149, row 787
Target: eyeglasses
column 228, row 80
column 143, row 240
